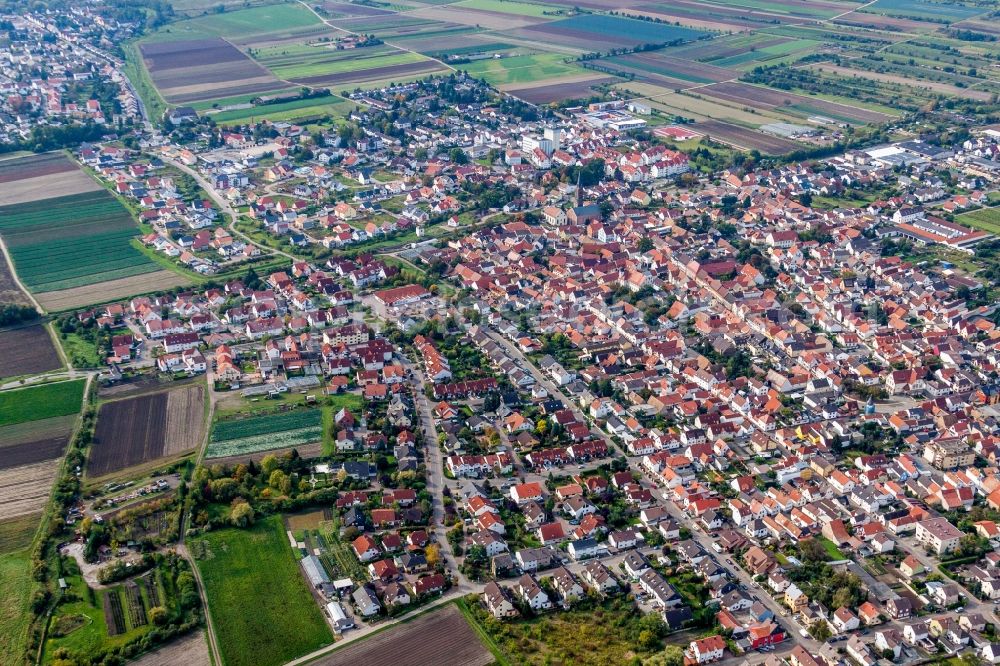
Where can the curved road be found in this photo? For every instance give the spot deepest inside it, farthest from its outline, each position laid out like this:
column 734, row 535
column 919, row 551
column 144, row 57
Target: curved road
column 225, row 206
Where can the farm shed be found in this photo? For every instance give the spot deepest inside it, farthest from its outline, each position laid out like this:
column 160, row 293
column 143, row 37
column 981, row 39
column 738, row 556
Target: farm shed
column 315, row 572
column 340, row 619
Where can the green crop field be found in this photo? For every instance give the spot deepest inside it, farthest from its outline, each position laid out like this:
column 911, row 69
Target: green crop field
column 41, row 402
column 15, row 614
column 299, row 61
column 294, row 110
column 917, row 9
column 261, row 608
column 522, row 69
column 72, row 241
column 508, row 7
column 286, row 18
column 987, row 219
column 240, row 436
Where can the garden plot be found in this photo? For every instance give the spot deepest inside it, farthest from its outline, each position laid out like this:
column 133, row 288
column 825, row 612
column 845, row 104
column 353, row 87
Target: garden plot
column 240, row 435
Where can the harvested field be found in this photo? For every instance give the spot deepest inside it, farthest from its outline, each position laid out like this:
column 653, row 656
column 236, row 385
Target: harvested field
column 33, row 166
column 111, row 290
column 35, row 451
column 556, row 90
column 17, row 533
column 744, row 138
column 26, row 488
column 674, row 71
column 183, row 434
column 41, row 177
column 768, row 98
column 9, row 291
column 377, row 74
column 456, row 644
column 344, row 9
column 190, row 650
column 136, row 430
column 27, row 351
column 191, row 70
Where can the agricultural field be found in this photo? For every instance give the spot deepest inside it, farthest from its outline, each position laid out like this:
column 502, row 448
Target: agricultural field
column 987, row 219
column 16, row 588
column 938, row 12
column 507, row 7
column 262, row 610
column 35, row 441
column 190, row 650
column 599, row 32
column 41, row 402
column 548, row 91
column 270, row 22
column 199, row 69
column 522, row 69
column 744, row 138
column 65, row 241
column 110, row 290
column 27, row 351
column 298, row 110
column 239, row 436
column 767, row 98
column 455, row 642
column 27, row 179
column 322, row 64
column 147, row 428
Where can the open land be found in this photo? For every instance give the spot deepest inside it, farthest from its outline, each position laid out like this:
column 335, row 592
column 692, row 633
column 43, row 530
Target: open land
column 65, row 241
column 25, row 488
column 145, row 428
column 262, row 610
column 191, row 70
column 15, row 612
column 454, row 643
column 110, row 290
column 55, row 176
column 34, row 441
column 27, row 351
column 41, row 402
column 190, row 650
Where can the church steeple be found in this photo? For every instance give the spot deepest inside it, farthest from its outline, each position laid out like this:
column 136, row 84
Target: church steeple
column 579, row 192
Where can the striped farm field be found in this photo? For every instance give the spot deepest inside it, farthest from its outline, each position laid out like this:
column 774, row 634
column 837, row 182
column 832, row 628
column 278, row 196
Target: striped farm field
column 70, row 241
column 240, row 436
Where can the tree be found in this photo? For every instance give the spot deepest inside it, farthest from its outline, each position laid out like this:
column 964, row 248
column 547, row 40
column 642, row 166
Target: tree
column 645, row 244
column 241, row 515
column 812, row 550
column 433, row 554
column 269, row 464
column 844, row 596
column 158, row 615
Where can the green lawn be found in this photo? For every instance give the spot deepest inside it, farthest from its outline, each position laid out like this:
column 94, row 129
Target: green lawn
column 41, row 402
column 832, row 550
column 15, row 613
column 262, row 610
